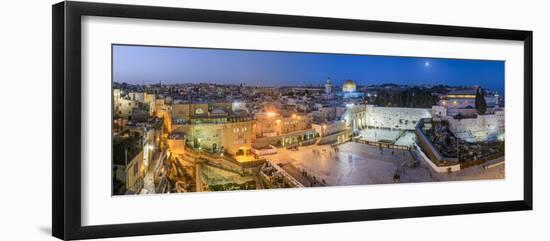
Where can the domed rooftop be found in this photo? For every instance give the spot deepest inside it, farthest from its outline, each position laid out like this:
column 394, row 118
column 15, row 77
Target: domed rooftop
column 349, row 86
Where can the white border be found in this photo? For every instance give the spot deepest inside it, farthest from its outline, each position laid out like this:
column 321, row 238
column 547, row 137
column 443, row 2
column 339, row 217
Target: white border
column 100, row 208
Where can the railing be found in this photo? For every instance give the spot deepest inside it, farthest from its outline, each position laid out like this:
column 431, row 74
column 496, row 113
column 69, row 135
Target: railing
column 237, row 170
column 383, row 145
column 136, row 188
column 291, row 179
column 441, row 169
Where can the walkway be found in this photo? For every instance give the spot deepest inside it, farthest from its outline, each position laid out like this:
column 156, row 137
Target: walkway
column 198, row 178
column 152, row 172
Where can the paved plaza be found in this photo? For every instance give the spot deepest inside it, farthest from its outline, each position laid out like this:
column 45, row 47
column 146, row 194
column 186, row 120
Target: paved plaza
column 356, row 164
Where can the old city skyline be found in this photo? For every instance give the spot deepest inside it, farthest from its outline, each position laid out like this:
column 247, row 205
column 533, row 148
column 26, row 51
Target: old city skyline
column 320, row 131
column 143, row 65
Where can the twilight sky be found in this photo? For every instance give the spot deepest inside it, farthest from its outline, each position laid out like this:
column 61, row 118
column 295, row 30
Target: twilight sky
column 144, row 65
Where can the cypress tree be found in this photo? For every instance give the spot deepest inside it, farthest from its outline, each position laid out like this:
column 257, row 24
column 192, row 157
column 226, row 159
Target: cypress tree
column 481, row 106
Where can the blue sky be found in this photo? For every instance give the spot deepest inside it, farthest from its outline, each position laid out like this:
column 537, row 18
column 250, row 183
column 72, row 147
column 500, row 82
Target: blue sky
column 147, row 64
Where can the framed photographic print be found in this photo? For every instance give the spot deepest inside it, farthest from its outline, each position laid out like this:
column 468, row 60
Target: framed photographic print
column 170, row 120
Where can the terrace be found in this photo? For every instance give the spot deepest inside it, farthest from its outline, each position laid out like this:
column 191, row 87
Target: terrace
column 443, row 147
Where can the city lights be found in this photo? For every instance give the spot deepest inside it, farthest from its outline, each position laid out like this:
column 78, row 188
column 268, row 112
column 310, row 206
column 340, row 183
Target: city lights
column 269, row 131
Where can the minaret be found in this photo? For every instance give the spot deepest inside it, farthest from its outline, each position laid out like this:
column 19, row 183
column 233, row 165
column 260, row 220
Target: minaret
column 328, row 87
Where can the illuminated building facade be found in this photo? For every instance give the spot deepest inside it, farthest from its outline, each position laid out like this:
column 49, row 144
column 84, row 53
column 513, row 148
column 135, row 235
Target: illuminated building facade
column 124, row 107
column 459, row 99
column 220, row 135
column 126, row 104
column 214, row 127
column 355, row 116
column 273, row 124
column 282, row 130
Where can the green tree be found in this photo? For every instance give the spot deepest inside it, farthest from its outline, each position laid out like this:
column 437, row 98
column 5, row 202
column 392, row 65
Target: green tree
column 481, row 106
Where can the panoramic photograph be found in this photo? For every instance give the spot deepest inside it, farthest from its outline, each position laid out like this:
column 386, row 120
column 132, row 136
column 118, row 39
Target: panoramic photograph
column 202, row 119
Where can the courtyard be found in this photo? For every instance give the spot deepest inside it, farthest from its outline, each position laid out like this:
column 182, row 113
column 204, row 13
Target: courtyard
column 353, row 163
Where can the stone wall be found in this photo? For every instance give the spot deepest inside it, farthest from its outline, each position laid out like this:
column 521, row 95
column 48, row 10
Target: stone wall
column 483, row 128
column 394, row 117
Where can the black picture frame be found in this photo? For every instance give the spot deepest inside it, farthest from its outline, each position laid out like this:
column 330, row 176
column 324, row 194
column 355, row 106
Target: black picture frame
column 66, row 122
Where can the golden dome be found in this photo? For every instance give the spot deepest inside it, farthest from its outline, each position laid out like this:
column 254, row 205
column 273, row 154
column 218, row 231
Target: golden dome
column 349, row 86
